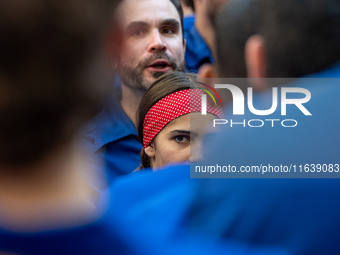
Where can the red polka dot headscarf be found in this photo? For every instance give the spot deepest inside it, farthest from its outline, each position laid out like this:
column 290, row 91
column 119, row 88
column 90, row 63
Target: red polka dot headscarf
column 172, row 107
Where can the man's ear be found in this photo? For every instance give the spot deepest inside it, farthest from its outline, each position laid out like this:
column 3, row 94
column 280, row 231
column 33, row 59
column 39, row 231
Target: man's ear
column 150, row 151
column 207, row 70
column 256, row 61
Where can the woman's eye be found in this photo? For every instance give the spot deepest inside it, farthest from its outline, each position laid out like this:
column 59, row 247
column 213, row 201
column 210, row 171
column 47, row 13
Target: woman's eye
column 182, row 139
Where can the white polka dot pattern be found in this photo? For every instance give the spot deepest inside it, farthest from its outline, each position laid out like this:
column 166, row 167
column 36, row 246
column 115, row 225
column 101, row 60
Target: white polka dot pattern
column 170, row 108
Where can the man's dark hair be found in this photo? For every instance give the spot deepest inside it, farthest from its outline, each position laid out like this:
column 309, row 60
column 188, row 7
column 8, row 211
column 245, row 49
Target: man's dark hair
column 178, row 7
column 237, row 21
column 189, row 3
column 50, row 73
column 213, row 9
column 301, row 36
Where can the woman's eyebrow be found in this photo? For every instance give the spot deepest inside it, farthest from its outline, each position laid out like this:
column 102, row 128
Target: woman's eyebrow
column 193, row 134
column 180, row 131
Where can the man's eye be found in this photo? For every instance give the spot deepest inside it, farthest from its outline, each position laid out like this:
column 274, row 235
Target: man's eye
column 182, row 138
column 168, row 31
column 138, row 32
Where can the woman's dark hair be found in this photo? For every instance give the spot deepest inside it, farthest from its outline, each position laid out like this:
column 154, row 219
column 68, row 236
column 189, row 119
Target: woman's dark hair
column 165, row 85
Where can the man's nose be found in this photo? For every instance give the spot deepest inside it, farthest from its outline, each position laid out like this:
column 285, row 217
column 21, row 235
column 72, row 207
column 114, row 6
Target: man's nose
column 156, row 42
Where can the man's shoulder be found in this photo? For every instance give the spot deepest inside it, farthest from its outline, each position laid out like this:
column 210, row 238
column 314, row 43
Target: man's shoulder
column 109, row 125
column 197, row 50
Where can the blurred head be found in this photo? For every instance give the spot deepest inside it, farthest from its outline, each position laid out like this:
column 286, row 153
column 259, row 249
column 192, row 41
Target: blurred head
column 52, row 73
column 237, row 22
column 280, row 38
column 169, row 106
column 153, row 41
column 213, row 7
column 206, row 14
column 301, row 37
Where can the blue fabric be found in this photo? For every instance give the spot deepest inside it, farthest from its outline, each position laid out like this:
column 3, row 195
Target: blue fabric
column 139, row 219
column 113, row 137
column 188, row 22
column 99, row 237
column 301, row 215
column 197, row 51
column 145, row 197
column 153, row 204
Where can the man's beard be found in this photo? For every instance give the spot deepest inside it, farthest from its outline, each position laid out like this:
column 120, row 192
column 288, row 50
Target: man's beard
column 134, row 77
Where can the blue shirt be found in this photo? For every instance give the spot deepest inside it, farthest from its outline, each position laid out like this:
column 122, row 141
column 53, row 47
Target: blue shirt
column 197, row 51
column 113, row 137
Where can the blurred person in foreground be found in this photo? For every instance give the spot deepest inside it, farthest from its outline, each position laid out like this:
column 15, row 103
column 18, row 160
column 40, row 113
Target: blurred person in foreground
column 293, row 210
column 53, row 75
column 299, row 215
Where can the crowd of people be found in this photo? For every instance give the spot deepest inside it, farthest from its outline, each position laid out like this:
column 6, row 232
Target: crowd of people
column 105, row 116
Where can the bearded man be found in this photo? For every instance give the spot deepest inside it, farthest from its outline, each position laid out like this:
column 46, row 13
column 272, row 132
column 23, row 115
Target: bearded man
column 152, row 44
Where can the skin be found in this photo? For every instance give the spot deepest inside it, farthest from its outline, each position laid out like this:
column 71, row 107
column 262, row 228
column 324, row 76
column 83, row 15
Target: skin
column 179, row 141
column 152, row 33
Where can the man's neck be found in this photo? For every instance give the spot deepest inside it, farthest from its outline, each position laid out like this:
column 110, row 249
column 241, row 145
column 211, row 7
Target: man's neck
column 130, row 102
column 53, row 192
